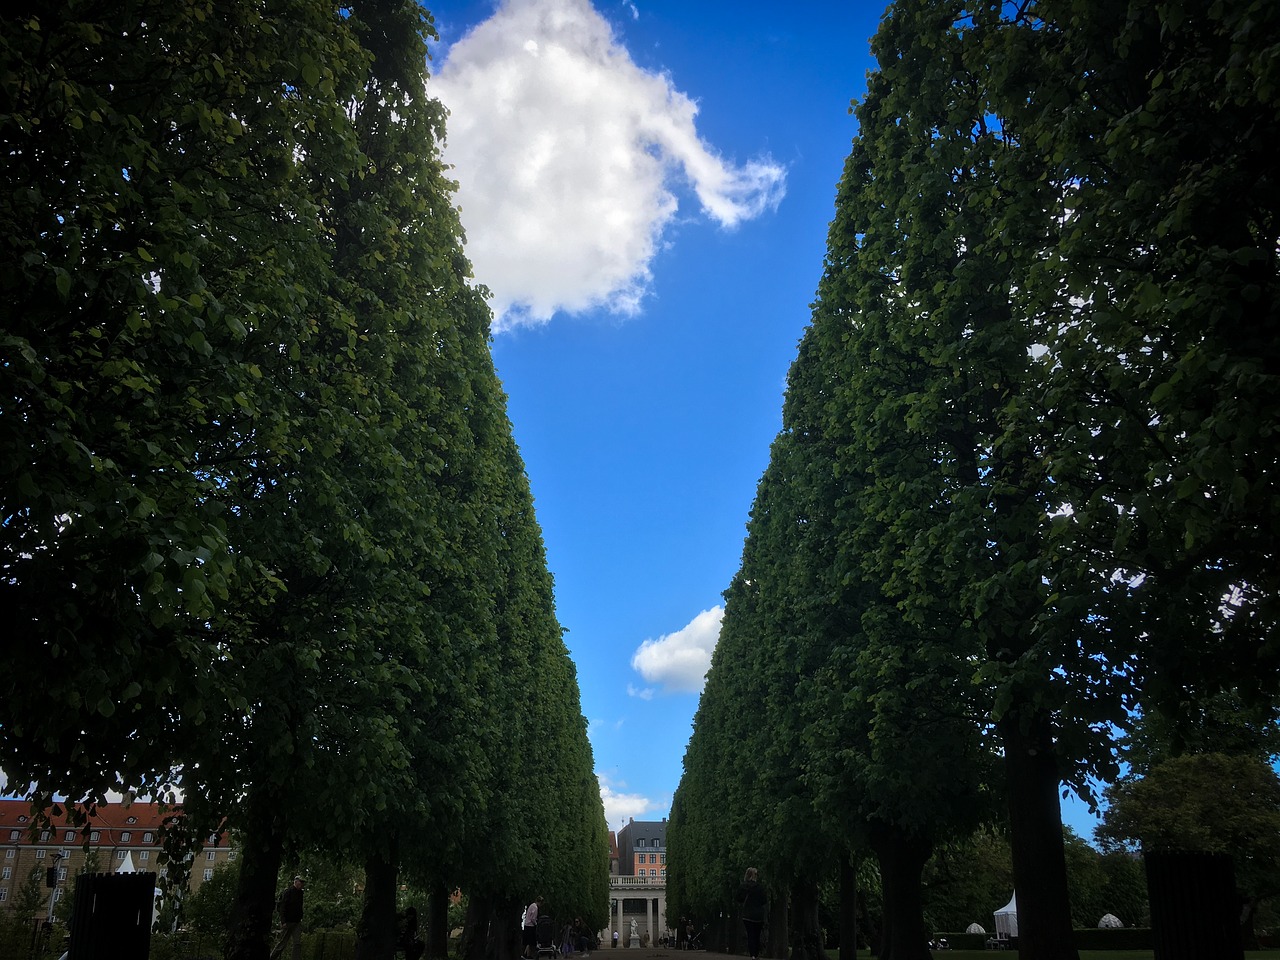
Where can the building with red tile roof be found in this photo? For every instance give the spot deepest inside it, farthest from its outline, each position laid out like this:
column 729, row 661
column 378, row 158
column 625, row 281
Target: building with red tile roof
column 118, row 834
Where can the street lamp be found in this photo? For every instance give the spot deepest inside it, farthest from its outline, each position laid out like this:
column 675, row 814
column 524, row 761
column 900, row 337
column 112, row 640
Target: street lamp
column 51, row 881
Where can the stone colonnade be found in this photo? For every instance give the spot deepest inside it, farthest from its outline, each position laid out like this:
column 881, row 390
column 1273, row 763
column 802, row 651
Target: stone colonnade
column 643, row 899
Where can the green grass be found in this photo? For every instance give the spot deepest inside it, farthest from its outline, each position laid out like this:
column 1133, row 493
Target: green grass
column 1084, row 955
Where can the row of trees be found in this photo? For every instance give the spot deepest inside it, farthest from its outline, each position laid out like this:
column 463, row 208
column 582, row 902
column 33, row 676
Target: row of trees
column 268, row 545
column 1025, row 488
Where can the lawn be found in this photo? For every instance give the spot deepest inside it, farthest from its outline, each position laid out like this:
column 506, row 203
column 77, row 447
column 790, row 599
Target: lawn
column 1084, row 954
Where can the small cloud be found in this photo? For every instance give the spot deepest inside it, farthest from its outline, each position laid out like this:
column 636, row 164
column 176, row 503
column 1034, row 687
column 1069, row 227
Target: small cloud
column 643, row 693
column 568, row 155
column 679, row 661
column 619, row 807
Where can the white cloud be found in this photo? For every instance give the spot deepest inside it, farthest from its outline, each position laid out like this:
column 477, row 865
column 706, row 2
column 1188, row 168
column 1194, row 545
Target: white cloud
column 619, row 807
column 642, row 693
column 679, row 661
column 566, row 152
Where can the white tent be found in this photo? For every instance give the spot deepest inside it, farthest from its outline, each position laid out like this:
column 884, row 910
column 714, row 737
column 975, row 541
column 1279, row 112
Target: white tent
column 1110, row 921
column 126, row 865
column 974, row 928
column 1007, row 919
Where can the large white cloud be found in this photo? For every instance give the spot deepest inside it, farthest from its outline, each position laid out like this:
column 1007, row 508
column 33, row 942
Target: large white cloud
column 566, row 152
column 679, row 661
column 619, row 806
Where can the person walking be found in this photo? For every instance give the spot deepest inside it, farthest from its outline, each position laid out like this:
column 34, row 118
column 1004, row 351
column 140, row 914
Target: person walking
column 290, row 910
column 529, row 928
column 753, row 899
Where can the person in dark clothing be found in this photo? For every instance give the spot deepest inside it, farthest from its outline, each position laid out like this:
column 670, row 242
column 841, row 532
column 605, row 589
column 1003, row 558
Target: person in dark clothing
column 753, row 899
column 407, row 936
column 290, row 910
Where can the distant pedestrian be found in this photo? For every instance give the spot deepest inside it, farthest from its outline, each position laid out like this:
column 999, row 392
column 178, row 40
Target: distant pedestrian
column 753, row 899
column 290, row 909
column 529, row 928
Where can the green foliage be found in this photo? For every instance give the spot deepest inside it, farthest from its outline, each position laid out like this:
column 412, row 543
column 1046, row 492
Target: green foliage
column 207, row 911
column 967, row 880
column 1024, row 486
column 1205, row 802
column 31, row 899
column 263, row 517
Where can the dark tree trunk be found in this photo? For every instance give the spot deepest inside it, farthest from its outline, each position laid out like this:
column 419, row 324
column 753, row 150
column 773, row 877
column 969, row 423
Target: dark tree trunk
column 775, row 938
column 848, row 910
column 1195, row 911
column 248, row 937
column 902, row 857
column 806, row 931
column 724, row 934
column 376, row 931
column 437, row 932
column 1035, row 823
column 475, row 928
column 504, row 930
column 1248, row 930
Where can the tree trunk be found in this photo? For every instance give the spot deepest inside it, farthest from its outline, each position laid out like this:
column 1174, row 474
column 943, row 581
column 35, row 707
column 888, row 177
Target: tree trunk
column 848, row 910
column 1195, row 910
column 437, row 932
column 504, row 930
column 902, row 858
column 806, row 931
column 248, row 937
column 1248, row 930
column 376, row 930
column 1035, row 823
column 475, row 928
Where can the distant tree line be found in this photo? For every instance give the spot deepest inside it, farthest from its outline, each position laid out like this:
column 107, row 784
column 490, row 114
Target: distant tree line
column 1024, row 497
column 268, row 545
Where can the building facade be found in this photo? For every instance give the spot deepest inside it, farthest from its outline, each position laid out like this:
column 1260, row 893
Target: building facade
column 638, row 892
column 642, row 848
column 117, row 837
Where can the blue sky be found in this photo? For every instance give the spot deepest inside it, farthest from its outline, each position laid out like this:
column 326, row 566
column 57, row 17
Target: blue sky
column 646, row 188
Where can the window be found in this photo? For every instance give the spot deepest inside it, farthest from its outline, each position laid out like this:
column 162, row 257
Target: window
column 664, row 857
column 208, row 855
column 664, row 872
column 6, row 874
column 44, row 835
column 208, row 874
column 57, row 895
column 39, row 854
column 231, row 854
column 70, row 837
column 639, row 842
column 125, row 837
column 13, row 834
column 4, row 894
column 62, row 873
column 213, row 838
column 94, row 836
column 132, row 820
column 144, row 854
column 8, row 854
column 146, row 837
column 121, row 854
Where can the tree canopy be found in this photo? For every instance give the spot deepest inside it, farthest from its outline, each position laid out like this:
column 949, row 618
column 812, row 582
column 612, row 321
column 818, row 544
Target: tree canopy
column 268, row 544
column 1023, row 492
